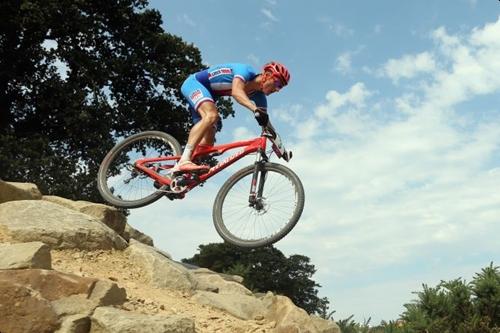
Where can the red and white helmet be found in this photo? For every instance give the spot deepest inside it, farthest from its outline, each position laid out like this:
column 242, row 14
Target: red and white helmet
column 278, row 70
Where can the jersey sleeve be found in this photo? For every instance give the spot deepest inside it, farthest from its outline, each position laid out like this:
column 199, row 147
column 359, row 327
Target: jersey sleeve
column 244, row 72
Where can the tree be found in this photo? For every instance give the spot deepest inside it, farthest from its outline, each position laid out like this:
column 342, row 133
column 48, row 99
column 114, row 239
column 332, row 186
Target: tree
column 486, row 291
column 451, row 307
column 76, row 76
column 458, row 307
column 265, row 269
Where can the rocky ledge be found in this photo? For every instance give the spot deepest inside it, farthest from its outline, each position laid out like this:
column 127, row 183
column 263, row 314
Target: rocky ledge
column 75, row 266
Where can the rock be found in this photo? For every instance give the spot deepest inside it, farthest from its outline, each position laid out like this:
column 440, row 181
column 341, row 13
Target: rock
column 25, row 255
column 234, row 278
column 75, row 324
column 51, row 285
column 58, row 295
column 62, row 201
column 160, row 271
column 208, row 280
column 18, row 191
column 132, row 233
column 24, row 311
column 56, row 226
column 107, row 293
column 73, row 305
column 101, row 293
column 111, row 320
column 290, row 318
column 110, row 216
column 325, row 326
column 241, row 306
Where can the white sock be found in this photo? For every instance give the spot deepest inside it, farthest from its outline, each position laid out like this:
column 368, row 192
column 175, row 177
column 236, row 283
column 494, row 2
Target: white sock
column 186, row 155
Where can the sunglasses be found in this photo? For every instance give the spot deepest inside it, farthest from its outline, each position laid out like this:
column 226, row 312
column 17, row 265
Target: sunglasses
column 277, row 84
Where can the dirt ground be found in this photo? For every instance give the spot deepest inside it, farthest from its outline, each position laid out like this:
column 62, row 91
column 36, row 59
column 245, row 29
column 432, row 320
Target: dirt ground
column 114, row 265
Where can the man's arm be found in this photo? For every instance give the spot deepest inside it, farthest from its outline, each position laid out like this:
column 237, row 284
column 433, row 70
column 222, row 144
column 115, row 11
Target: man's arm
column 239, row 94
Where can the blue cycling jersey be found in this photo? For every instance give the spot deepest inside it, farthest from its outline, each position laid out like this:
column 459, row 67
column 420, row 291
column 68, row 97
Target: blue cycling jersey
column 216, row 81
column 219, row 78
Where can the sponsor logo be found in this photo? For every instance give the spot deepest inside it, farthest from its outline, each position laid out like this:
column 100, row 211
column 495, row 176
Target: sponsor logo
column 196, row 95
column 220, row 71
column 226, row 161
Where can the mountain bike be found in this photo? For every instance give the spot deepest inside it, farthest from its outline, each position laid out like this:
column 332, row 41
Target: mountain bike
column 257, row 206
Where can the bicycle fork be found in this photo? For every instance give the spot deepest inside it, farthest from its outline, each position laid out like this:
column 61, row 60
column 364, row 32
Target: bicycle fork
column 255, row 198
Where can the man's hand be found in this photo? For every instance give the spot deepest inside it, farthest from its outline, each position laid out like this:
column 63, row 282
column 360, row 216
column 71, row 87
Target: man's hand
column 261, row 116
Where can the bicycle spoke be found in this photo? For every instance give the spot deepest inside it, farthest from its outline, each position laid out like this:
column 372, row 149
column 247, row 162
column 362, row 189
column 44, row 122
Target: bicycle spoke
column 125, row 185
column 279, row 201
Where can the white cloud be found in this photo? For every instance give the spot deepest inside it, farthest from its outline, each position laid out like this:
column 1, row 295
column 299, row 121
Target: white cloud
column 185, row 18
column 390, row 188
column 288, row 115
column 354, row 98
column 341, row 30
column 408, row 66
column 474, row 65
column 242, row 133
column 267, row 13
column 343, row 63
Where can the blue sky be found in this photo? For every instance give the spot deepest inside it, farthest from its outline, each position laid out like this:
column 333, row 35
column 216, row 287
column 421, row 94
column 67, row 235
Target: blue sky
column 394, row 119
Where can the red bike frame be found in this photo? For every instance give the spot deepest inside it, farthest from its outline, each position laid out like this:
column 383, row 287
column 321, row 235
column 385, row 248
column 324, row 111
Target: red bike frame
column 251, row 146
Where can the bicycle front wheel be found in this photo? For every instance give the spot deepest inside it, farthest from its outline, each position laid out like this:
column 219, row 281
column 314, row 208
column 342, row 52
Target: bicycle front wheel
column 262, row 221
column 121, row 183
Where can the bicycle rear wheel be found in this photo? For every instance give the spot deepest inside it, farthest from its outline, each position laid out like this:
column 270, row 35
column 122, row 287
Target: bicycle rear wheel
column 121, row 183
column 270, row 218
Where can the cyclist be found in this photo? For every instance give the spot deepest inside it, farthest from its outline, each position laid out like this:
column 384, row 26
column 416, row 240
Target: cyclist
column 248, row 87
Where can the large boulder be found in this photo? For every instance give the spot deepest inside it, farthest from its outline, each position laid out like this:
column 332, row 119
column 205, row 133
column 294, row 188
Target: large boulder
column 10, row 191
column 111, row 320
column 208, row 280
column 325, row 326
column 36, row 300
column 56, row 226
column 132, row 233
column 110, row 216
column 241, row 306
column 25, row 255
column 51, row 285
column 78, row 323
column 24, row 311
column 102, row 293
column 290, row 318
column 160, row 270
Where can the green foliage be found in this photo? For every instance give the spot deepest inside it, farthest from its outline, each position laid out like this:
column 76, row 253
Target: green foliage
column 486, row 291
column 457, row 307
column 265, row 269
column 451, row 307
column 123, row 76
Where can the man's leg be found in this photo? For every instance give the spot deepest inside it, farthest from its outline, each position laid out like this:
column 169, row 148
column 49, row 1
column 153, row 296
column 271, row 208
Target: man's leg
column 203, row 131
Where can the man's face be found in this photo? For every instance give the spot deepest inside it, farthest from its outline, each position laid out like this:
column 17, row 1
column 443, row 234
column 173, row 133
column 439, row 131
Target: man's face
column 271, row 85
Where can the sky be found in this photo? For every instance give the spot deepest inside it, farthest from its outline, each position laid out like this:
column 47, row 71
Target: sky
column 393, row 116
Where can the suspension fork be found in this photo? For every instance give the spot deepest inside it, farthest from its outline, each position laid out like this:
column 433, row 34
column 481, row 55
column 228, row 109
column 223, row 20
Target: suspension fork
column 257, row 186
